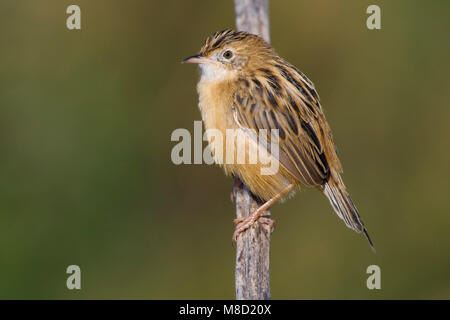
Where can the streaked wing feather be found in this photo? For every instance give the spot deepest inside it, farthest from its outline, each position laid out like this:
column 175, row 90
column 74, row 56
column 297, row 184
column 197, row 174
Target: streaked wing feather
column 289, row 104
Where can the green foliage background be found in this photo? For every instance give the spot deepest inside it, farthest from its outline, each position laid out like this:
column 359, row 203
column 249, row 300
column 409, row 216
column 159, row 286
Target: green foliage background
column 86, row 176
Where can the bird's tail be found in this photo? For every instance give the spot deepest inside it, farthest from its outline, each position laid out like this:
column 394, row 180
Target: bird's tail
column 334, row 189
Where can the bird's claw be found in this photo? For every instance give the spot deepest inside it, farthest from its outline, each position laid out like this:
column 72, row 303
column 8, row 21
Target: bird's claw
column 242, row 224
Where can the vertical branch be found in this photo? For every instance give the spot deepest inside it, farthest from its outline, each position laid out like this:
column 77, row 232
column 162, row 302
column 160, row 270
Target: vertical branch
column 253, row 16
column 252, row 273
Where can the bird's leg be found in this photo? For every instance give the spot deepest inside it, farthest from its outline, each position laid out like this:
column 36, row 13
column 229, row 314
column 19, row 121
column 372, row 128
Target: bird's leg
column 243, row 224
column 237, row 184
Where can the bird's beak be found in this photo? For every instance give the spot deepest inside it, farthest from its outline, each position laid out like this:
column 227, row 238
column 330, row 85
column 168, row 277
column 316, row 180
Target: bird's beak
column 198, row 58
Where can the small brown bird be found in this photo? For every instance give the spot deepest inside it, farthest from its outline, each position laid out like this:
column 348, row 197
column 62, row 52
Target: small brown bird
column 245, row 86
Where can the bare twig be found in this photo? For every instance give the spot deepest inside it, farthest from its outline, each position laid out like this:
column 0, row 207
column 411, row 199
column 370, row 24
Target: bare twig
column 253, row 246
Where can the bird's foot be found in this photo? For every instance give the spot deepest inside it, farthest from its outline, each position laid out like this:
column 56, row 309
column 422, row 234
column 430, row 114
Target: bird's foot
column 242, row 224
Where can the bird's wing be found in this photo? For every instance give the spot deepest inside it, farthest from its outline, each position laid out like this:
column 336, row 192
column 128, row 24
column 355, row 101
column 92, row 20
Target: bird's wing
column 288, row 102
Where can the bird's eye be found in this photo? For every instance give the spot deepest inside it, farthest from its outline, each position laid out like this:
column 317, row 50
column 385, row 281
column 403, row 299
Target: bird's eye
column 228, row 54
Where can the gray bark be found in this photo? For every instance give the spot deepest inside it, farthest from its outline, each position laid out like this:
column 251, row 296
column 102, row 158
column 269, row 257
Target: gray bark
column 252, row 274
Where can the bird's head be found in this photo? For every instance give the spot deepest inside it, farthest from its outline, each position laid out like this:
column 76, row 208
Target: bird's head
column 228, row 53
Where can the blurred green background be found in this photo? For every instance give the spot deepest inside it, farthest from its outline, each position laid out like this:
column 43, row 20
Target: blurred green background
column 86, row 176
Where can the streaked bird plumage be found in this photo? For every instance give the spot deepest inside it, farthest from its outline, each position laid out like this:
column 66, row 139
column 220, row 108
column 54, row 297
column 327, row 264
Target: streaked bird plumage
column 246, row 85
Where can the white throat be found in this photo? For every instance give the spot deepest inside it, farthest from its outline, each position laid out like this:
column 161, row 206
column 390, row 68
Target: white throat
column 214, row 72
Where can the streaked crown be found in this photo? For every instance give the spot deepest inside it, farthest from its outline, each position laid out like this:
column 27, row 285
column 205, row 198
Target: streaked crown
column 237, row 47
